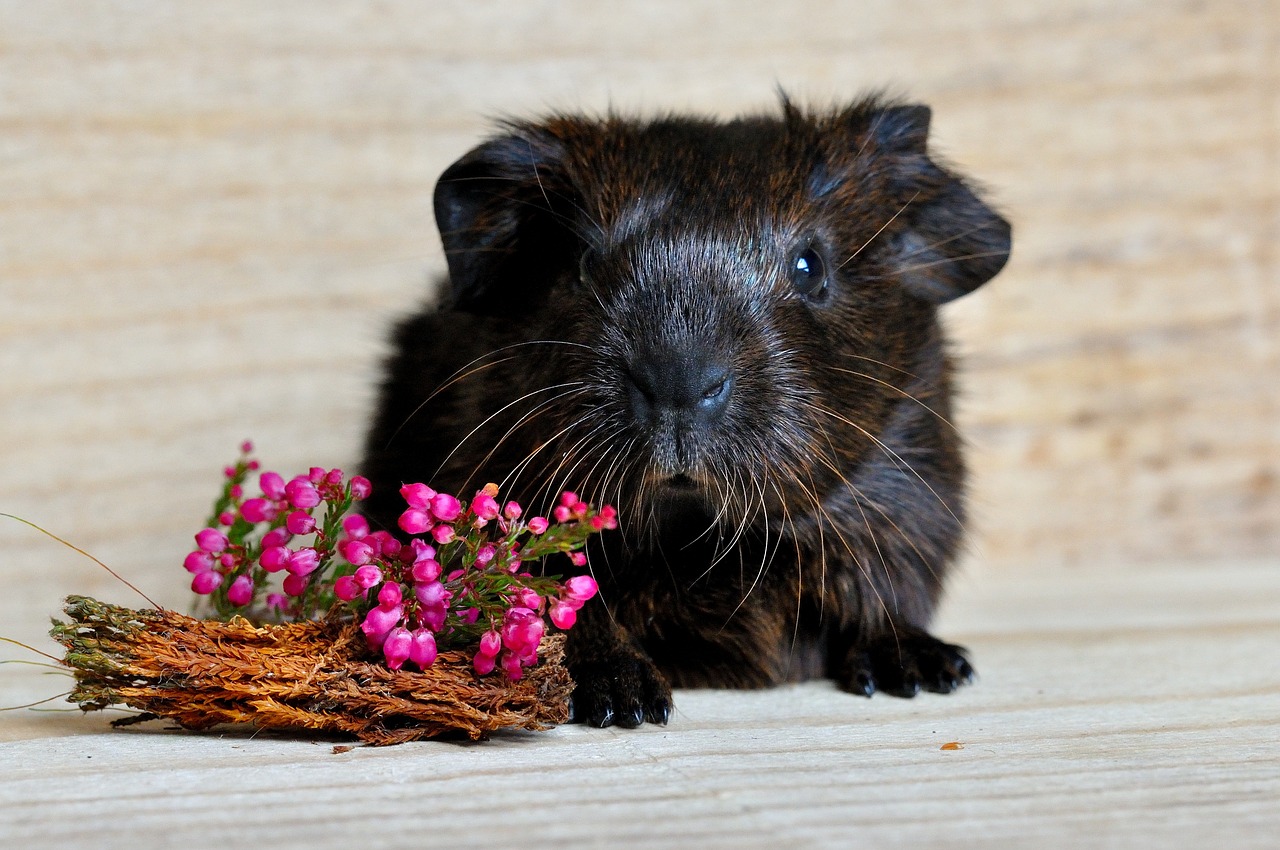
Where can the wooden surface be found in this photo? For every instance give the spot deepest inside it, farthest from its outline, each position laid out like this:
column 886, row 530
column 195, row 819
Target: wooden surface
column 210, row 212
column 1134, row 708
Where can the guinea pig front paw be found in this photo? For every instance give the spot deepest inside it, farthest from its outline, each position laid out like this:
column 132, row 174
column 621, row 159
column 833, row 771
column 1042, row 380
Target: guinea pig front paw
column 625, row 690
column 904, row 663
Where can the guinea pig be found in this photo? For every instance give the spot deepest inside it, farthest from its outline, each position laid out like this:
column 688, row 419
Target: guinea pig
column 729, row 330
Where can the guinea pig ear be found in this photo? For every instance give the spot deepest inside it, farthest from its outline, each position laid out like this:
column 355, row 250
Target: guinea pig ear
column 954, row 242
column 504, row 237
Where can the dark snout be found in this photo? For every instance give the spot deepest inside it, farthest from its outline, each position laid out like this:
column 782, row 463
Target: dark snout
column 684, row 385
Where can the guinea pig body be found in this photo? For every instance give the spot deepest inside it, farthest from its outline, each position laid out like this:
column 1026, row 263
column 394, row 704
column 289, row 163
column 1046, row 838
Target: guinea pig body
column 729, row 331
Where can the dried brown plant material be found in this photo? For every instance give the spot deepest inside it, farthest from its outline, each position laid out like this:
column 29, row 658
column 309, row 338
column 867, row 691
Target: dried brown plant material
column 952, row 745
column 314, row 675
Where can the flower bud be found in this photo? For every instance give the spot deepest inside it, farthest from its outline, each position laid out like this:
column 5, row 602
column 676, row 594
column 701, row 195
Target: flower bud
column 241, row 591
column 579, row 589
column 445, row 507
column 206, row 582
column 418, row 496
column 301, row 493
column 390, row 595
column 368, row 576
column 258, row 510
column 423, row 650
column 355, row 526
column 485, row 507
column 276, row 537
column 347, row 588
column 198, row 562
column 426, row 570
column 396, row 647
column 300, row 522
column 274, row 559
column 562, row 615
column 538, row 524
column 415, row 521
column 303, row 562
column 443, row 534
column 356, row 552
column 211, row 540
column 272, row 485
column 360, row 488
column 295, row 585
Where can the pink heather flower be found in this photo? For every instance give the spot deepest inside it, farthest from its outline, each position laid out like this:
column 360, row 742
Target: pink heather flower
column 246, row 447
column 579, row 589
column 227, row 560
column 610, row 514
column 538, row 524
column 562, row 615
column 368, row 576
column 316, row 474
column 445, row 507
column 511, row 666
column 258, row 510
column 512, row 510
column 485, row 554
column 271, row 485
column 253, row 465
column 431, row 593
column 241, row 591
column 379, row 621
column 426, row 570
column 485, row 506
column 211, row 540
column 275, row 559
column 303, row 562
column 226, row 518
column 236, row 491
column 569, row 498
column 357, row 552
column 579, row 559
column 418, row 496
column 580, row 508
column 277, row 601
column 295, row 585
column 469, row 615
column 355, row 526
column 597, row 522
column 490, row 643
column 443, row 534
column 198, row 562
column 484, row 664
column 360, row 488
column 347, row 588
column 433, row 617
column 415, row 521
column 334, row 477
column 229, row 471
column 301, row 493
column 385, row 543
column 396, row 646
column 206, row 582
column 390, row 595
column 276, row 537
column 423, row 651
column 521, row 630
column 526, row 597
column 562, row 514
column 417, row 551
column 300, row 522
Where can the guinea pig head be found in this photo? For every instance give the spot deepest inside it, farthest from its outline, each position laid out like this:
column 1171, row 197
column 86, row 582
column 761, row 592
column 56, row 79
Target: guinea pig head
column 741, row 304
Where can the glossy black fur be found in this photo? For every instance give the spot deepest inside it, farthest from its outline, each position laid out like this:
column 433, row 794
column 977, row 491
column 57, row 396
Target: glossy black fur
column 623, row 317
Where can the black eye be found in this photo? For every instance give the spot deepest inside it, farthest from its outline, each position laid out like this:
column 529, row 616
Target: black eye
column 809, row 273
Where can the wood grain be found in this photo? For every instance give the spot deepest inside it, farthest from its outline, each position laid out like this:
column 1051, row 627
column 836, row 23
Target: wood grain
column 209, row 213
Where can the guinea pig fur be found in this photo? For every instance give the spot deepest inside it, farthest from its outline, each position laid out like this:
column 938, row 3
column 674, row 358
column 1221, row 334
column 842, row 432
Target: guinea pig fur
column 728, row 330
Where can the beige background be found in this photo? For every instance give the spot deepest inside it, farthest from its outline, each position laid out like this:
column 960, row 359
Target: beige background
column 209, row 213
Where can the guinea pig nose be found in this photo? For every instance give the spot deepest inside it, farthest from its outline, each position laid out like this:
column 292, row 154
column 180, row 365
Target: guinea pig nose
column 679, row 382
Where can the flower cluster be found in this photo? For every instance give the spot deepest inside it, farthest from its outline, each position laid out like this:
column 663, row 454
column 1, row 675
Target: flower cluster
column 457, row 579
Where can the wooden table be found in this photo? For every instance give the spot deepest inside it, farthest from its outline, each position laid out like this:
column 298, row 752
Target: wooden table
column 1134, row 708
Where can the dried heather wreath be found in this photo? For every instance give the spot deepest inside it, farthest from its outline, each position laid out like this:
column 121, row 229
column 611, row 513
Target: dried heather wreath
column 302, row 603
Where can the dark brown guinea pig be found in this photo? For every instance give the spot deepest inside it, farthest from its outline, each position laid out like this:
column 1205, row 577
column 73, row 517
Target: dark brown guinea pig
column 729, row 331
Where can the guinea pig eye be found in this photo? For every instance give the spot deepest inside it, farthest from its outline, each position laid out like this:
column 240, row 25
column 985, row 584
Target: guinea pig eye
column 809, row 273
